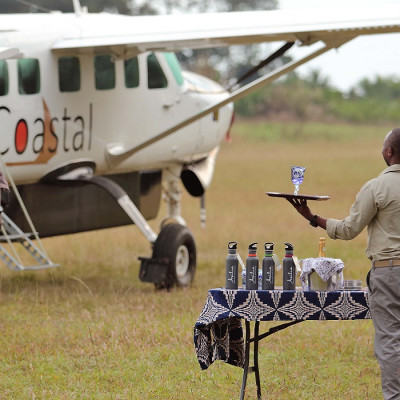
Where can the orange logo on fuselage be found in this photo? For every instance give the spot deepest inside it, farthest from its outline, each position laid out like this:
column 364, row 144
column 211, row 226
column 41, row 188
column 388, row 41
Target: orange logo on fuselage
column 46, row 143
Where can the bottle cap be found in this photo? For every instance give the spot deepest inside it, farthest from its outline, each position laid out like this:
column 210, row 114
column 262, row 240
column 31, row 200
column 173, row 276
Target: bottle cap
column 253, row 248
column 232, row 246
column 289, row 249
column 269, row 248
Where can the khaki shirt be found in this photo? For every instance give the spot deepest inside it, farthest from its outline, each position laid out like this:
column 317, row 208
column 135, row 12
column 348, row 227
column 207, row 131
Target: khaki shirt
column 377, row 206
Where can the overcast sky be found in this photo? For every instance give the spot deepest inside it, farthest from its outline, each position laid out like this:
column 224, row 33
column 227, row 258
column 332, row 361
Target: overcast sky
column 360, row 58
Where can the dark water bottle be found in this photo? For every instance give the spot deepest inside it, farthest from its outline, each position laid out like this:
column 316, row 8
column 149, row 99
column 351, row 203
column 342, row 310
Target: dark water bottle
column 268, row 268
column 232, row 269
column 289, row 269
column 252, row 268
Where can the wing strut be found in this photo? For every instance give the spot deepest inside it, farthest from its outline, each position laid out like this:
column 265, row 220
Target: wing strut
column 77, row 7
column 117, row 153
column 121, row 197
column 280, row 52
column 125, row 203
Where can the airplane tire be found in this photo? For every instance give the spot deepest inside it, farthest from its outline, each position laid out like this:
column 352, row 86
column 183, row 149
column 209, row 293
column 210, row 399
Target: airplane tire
column 176, row 244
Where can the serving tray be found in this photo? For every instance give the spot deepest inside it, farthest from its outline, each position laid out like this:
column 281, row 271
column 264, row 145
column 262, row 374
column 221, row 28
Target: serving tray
column 297, row 196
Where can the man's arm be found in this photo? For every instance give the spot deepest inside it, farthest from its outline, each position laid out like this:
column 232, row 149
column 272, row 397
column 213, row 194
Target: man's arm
column 361, row 213
column 302, row 208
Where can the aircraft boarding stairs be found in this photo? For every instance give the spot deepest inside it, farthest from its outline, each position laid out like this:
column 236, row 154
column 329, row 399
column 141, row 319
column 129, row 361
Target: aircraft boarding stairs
column 12, row 234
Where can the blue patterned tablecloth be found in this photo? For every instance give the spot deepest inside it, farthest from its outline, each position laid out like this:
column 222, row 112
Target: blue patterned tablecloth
column 218, row 333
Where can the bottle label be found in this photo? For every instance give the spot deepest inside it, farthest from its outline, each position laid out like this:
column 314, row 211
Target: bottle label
column 277, row 262
column 241, row 261
column 297, row 264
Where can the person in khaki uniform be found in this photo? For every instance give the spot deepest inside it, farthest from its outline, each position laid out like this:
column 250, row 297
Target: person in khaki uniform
column 377, row 207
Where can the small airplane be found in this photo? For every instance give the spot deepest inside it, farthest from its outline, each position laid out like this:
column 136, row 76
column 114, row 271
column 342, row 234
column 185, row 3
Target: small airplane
column 98, row 120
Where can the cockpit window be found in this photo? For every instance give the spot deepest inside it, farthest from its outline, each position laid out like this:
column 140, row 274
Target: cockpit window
column 201, row 84
column 156, row 77
column 69, row 74
column 104, row 68
column 28, row 76
column 175, row 67
column 3, row 78
column 131, row 72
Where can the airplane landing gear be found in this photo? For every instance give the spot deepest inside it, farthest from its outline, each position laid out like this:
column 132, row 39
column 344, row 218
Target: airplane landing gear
column 175, row 245
column 173, row 262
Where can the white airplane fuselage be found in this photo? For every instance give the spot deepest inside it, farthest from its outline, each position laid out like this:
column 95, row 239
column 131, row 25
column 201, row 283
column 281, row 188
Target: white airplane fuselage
column 44, row 130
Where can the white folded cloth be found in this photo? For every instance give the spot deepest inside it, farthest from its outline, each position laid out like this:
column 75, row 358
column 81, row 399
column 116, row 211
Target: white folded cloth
column 325, row 267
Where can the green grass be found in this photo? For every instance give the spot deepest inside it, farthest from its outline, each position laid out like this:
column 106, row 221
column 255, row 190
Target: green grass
column 92, row 330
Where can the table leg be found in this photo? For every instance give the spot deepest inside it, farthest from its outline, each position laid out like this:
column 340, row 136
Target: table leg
column 254, row 368
column 255, row 355
column 255, row 339
column 246, row 360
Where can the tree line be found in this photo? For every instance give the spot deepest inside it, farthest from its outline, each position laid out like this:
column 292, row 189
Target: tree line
column 313, row 98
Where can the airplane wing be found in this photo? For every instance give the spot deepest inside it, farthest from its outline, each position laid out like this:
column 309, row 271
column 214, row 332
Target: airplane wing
column 128, row 36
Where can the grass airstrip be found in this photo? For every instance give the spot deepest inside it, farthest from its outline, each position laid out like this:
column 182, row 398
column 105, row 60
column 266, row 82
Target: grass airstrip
column 91, row 330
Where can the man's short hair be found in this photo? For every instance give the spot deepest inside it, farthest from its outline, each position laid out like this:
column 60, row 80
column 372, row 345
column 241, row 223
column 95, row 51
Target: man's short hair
column 394, row 140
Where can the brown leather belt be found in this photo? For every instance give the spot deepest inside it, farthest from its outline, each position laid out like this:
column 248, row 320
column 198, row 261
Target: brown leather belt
column 395, row 262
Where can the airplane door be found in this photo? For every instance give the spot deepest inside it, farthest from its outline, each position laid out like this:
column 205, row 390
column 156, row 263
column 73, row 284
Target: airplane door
column 158, row 81
column 165, row 98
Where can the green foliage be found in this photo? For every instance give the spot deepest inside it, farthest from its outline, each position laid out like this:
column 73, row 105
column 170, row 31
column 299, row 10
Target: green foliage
column 170, row 6
column 384, row 88
column 313, row 98
column 136, row 7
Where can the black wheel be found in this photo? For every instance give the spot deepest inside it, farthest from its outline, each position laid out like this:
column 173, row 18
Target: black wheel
column 176, row 245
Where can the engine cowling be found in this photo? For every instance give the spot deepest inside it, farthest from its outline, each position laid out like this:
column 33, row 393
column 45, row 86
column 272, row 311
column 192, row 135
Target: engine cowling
column 197, row 177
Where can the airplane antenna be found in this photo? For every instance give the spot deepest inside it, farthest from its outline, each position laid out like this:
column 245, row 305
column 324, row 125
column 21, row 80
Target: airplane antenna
column 77, row 7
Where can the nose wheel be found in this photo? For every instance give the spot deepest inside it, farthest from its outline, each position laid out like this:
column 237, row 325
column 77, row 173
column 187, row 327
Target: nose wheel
column 175, row 244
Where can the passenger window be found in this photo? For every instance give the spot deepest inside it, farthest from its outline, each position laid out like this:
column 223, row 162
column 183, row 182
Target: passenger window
column 131, row 72
column 104, row 72
column 28, row 76
column 175, row 67
column 69, row 74
column 3, row 78
column 156, row 77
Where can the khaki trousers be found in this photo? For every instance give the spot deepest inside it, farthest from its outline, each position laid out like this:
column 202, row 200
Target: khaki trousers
column 384, row 299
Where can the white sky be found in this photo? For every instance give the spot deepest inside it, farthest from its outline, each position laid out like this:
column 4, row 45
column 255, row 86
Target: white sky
column 360, row 58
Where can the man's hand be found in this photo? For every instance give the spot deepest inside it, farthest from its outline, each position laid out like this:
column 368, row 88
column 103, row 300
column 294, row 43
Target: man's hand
column 301, row 207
